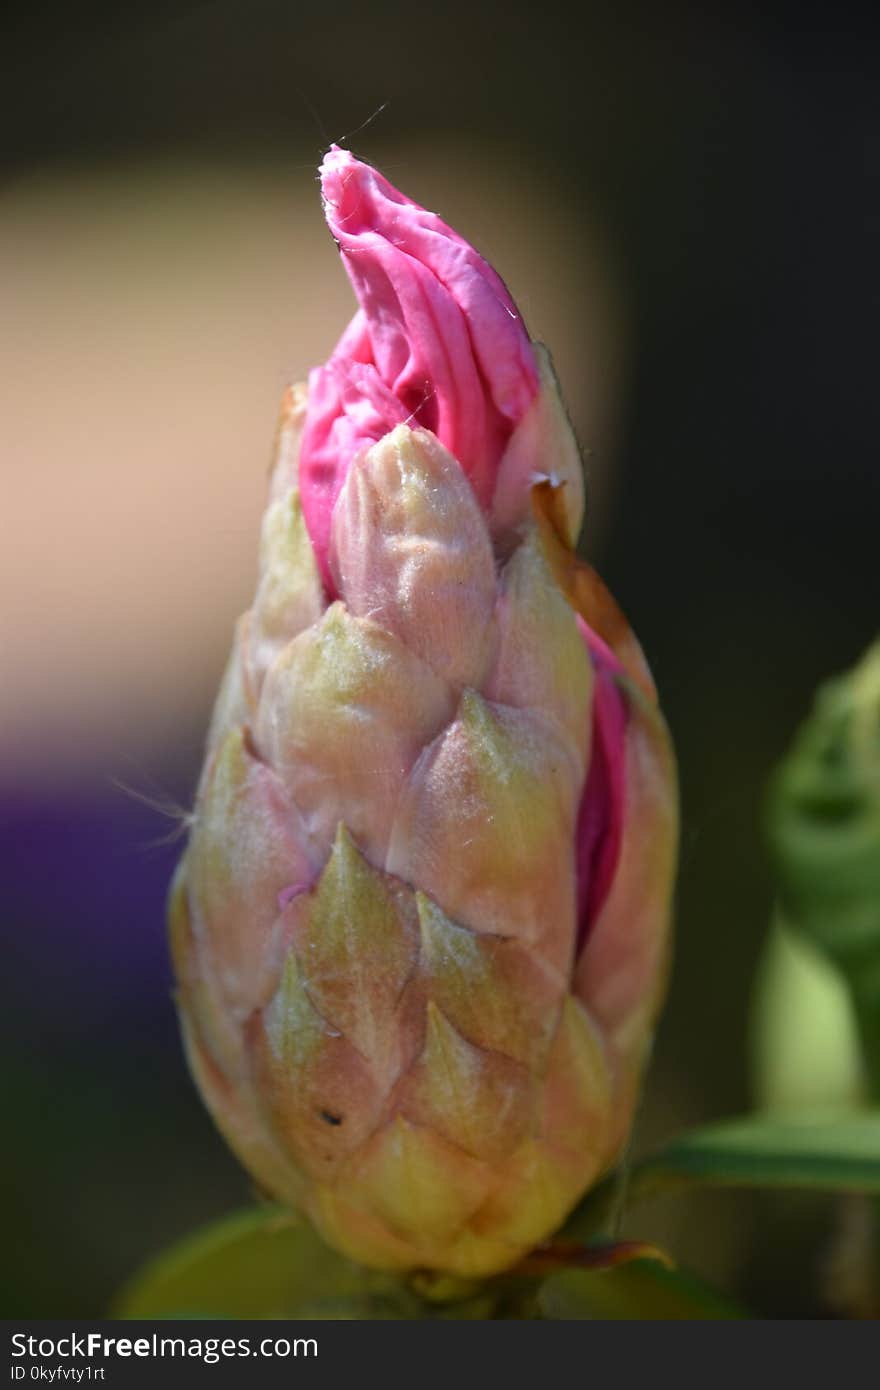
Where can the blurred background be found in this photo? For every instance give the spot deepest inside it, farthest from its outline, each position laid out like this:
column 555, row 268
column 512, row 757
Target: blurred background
column 683, row 200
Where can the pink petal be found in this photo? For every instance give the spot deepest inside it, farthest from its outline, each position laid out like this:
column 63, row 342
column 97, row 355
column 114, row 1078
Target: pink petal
column 437, row 342
column 620, row 976
column 601, row 815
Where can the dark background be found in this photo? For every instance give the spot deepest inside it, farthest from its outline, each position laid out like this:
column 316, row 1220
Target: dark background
column 731, row 156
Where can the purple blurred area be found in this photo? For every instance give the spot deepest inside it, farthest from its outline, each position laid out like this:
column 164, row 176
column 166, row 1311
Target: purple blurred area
column 683, row 201
column 87, row 884
column 93, row 1077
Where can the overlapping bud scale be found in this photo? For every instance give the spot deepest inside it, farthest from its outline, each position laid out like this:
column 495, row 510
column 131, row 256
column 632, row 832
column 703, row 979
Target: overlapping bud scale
column 418, row 972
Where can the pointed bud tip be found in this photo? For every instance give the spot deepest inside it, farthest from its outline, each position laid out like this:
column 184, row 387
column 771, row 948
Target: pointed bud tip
column 336, row 170
column 356, row 198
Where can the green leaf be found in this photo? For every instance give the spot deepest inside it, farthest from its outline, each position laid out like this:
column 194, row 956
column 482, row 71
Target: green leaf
column 262, row 1263
column 643, row 1290
column 834, row 1152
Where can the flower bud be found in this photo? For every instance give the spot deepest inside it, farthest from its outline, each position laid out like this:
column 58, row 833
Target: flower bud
column 825, row 818
column 825, row 834
column 420, row 928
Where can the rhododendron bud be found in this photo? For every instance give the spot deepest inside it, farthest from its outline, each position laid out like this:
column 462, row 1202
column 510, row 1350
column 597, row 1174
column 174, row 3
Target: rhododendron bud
column 420, row 929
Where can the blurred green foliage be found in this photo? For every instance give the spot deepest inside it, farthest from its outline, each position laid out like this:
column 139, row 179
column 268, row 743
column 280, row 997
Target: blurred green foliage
column 825, row 831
